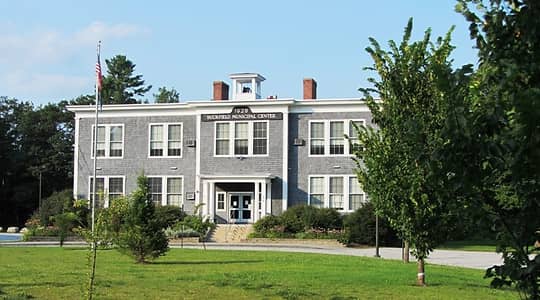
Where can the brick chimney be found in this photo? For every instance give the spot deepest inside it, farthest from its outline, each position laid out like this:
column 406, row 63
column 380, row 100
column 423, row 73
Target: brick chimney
column 221, row 91
column 310, row 88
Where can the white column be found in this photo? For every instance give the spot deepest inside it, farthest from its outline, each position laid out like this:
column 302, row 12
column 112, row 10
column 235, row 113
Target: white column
column 204, row 196
column 212, row 201
column 268, row 198
column 255, row 204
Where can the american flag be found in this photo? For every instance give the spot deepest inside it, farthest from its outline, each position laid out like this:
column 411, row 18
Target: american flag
column 99, row 79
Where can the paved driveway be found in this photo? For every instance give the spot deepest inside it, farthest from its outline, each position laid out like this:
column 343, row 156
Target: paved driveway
column 468, row 259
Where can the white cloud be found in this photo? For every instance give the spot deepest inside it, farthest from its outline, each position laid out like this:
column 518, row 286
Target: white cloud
column 34, row 62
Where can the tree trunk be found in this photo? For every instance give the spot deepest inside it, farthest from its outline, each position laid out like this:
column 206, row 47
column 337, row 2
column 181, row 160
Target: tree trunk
column 421, row 278
column 406, row 252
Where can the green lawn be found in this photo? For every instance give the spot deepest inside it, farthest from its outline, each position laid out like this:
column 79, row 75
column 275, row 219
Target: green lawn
column 470, row 245
column 54, row 273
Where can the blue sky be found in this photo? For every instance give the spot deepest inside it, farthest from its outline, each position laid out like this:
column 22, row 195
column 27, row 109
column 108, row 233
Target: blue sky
column 47, row 48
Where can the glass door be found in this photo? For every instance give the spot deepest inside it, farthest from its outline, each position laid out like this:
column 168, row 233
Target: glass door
column 240, row 207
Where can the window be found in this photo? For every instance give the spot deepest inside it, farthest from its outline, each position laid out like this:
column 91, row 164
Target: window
column 165, row 140
column 222, row 138
column 317, row 138
column 174, row 191
column 248, row 138
column 108, row 188
column 336, row 193
column 166, row 190
column 316, row 191
column 356, row 195
column 220, row 201
column 341, row 192
column 241, row 138
column 260, row 138
column 156, row 189
column 353, row 135
column 337, row 139
column 328, row 137
column 110, row 141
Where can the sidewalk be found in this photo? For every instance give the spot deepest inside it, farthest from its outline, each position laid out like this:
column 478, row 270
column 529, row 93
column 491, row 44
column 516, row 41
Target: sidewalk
column 467, row 259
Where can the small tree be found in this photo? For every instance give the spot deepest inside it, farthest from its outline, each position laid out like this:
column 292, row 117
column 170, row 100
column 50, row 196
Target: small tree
column 397, row 165
column 65, row 222
column 167, row 96
column 142, row 236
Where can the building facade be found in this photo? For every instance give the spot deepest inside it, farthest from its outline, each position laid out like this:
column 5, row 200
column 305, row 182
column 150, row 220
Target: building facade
column 239, row 159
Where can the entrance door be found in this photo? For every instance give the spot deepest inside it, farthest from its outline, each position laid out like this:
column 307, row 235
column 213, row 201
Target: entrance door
column 240, row 207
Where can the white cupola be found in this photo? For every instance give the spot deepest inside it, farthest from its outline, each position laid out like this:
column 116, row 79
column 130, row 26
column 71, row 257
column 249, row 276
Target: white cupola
column 246, row 86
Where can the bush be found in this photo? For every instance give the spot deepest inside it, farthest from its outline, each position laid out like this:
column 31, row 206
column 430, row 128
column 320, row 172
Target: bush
column 301, row 222
column 169, row 215
column 55, row 204
column 360, row 228
column 267, row 224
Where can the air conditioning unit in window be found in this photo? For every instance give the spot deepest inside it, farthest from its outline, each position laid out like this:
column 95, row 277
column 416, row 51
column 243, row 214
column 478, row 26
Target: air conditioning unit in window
column 191, row 143
column 298, row 142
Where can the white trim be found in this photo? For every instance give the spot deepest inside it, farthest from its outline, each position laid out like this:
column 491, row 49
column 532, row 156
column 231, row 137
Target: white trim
column 198, row 159
column 165, row 139
column 326, row 192
column 76, row 160
column 108, row 140
column 224, row 201
column 106, row 179
column 326, row 122
column 285, row 164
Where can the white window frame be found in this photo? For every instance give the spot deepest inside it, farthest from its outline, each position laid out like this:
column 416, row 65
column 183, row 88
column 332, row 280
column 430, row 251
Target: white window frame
column 106, row 187
column 326, row 191
column 348, row 198
column 164, row 192
column 232, row 138
column 107, row 141
column 165, row 140
column 224, row 201
column 346, row 125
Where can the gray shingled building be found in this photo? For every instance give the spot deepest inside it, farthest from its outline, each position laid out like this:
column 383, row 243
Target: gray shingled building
column 243, row 158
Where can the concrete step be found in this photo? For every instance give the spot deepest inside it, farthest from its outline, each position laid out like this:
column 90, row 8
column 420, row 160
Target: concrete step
column 231, row 233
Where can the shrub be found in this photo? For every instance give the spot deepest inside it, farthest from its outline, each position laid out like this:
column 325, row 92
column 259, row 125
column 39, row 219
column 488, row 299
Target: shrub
column 55, row 204
column 169, row 215
column 65, row 223
column 267, row 224
column 360, row 228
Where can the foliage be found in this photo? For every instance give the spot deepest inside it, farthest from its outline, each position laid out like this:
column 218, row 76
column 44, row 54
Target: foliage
column 197, row 224
column 55, row 204
column 301, row 221
column 141, row 236
column 360, row 228
column 408, row 183
column 225, row 274
column 167, row 96
column 169, row 215
column 65, row 222
column 33, row 141
column 503, row 134
column 120, row 85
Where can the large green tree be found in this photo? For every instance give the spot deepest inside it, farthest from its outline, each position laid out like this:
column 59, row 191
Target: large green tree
column 34, row 141
column 398, row 163
column 504, row 124
column 121, row 85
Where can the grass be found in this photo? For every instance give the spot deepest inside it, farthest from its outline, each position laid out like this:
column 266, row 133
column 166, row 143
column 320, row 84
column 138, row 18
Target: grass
column 55, row 273
column 470, row 245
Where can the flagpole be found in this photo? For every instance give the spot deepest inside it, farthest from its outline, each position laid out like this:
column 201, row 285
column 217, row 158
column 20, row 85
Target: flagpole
column 95, row 138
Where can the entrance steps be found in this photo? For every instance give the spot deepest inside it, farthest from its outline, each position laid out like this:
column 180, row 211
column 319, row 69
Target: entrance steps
column 231, row 233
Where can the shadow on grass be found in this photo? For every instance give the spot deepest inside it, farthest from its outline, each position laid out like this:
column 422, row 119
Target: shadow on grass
column 224, row 262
